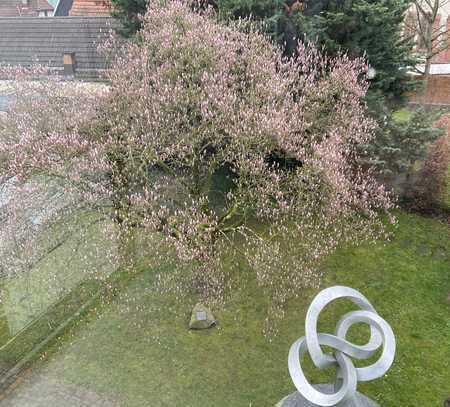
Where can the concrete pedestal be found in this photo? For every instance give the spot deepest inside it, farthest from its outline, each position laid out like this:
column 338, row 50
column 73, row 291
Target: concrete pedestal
column 297, row 400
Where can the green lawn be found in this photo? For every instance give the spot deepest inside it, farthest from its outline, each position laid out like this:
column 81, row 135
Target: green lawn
column 446, row 192
column 34, row 303
column 402, row 115
column 137, row 348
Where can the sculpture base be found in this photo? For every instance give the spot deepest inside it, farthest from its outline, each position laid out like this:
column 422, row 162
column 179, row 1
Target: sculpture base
column 297, row 400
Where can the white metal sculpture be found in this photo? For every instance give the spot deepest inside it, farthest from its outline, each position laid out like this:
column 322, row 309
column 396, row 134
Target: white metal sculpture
column 348, row 375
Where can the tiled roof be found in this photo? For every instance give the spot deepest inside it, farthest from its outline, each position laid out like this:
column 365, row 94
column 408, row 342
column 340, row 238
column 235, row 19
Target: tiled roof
column 15, row 8
column 24, row 41
column 90, row 8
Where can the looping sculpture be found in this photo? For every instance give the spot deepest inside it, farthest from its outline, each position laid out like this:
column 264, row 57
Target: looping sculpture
column 348, row 375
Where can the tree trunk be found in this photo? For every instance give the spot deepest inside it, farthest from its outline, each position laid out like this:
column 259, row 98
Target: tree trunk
column 429, row 47
column 427, row 70
column 126, row 247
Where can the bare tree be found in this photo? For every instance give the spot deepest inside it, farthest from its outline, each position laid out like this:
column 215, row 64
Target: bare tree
column 431, row 34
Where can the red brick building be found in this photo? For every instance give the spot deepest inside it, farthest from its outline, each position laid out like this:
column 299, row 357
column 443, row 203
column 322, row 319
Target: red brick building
column 443, row 24
column 416, row 25
column 437, row 89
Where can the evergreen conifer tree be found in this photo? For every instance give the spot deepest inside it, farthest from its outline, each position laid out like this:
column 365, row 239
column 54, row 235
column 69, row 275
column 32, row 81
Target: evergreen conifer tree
column 370, row 28
column 128, row 12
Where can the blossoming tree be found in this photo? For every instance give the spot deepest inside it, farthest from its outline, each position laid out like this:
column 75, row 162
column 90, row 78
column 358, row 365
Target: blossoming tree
column 209, row 139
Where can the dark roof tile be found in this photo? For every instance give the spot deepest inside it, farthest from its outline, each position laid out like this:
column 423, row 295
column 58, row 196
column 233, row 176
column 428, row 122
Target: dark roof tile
column 25, row 40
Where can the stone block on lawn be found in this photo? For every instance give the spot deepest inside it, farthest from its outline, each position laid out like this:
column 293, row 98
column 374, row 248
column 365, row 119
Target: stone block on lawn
column 201, row 318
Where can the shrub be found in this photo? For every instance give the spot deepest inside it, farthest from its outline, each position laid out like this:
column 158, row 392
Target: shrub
column 434, row 177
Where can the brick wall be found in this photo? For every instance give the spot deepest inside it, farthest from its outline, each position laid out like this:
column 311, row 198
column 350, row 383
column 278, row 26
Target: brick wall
column 437, row 91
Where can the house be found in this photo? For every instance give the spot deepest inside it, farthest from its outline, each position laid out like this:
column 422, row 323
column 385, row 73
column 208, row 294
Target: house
column 431, row 25
column 428, row 22
column 67, row 45
column 25, row 8
column 443, row 25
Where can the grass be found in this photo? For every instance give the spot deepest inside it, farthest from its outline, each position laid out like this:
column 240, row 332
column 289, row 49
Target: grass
column 402, row 115
column 138, row 350
column 409, row 283
column 15, row 347
column 446, row 193
column 33, row 304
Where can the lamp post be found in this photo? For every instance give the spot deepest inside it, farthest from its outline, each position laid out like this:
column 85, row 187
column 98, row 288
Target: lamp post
column 371, row 73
